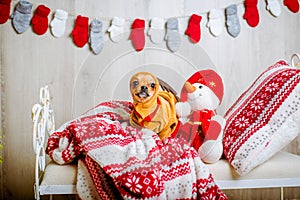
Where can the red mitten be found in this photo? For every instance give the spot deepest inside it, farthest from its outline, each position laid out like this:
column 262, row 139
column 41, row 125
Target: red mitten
column 80, row 32
column 39, row 20
column 4, row 10
column 137, row 35
column 251, row 12
column 193, row 30
column 293, row 5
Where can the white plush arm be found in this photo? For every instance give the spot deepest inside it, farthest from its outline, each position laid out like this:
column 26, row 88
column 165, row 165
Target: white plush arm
column 183, row 110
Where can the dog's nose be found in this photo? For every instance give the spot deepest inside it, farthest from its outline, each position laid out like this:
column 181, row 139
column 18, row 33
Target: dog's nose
column 144, row 88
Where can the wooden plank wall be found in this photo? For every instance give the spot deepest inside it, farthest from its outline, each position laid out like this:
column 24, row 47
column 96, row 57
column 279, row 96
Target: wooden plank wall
column 78, row 79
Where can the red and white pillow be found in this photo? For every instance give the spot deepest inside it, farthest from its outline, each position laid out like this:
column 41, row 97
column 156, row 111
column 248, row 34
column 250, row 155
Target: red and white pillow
column 264, row 119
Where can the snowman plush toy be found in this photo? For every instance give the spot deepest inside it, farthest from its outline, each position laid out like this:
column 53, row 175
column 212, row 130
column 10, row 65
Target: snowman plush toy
column 201, row 126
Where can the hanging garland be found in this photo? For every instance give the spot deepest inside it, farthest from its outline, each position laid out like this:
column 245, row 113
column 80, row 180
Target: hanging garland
column 158, row 31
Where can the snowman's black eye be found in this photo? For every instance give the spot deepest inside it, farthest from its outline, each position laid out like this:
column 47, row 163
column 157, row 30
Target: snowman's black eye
column 200, row 86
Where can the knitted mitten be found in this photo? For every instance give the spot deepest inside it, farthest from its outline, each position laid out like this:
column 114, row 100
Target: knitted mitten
column 39, row 20
column 4, row 10
column 22, row 16
column 193, row 30
column 137, row 35
column 232, row 20
column 96, row 36
column 80, row 32
column 172, row 35
column 157, row 30
column 58, row 24
column 251, row 13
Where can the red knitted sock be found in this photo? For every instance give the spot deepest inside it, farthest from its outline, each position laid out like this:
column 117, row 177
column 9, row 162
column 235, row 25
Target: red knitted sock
column 193, row 30
column 251, row 12
column 137, row 35
column 4, row 10
column 293, row 5
column 80, row 32
column 39, row 20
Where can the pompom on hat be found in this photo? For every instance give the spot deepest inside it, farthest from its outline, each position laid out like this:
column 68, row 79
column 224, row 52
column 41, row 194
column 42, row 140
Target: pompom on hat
column 209, row 78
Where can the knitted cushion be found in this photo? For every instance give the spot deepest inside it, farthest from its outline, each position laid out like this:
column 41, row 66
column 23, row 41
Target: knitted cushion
column 264, row 119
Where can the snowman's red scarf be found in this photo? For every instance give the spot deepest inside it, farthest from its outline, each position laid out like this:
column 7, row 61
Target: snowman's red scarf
column 130, row 163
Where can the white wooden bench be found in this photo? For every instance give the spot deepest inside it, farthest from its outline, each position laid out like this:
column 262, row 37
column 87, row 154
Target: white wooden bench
column 282, row 170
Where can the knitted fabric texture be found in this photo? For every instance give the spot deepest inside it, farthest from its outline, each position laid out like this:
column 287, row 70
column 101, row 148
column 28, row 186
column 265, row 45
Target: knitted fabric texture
column 116, row 29
column 129, row 163
column 22, row 16
column 293, row 5
column 193, row 30
column 264, row 119
column 137, row 35
column 274, row 7
column 251, row 12
column 39, row 20
column 232, row 20
column 80, row 32
column 4, row 10
column 172, row 34
column 215, row 23
column 157, row 30
column 58, row 24
column 96, row 36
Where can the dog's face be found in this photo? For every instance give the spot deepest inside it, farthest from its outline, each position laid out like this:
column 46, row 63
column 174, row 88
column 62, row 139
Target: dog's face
column 143, row 87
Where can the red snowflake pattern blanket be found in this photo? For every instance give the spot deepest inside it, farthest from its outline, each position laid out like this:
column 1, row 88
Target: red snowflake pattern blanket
column 119, row 161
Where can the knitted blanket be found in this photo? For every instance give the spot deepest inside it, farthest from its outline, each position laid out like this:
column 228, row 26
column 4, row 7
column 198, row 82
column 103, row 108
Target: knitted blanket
column 118, row 161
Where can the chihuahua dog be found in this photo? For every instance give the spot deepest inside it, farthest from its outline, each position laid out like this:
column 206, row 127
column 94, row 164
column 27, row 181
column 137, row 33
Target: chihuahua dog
column 153, row 108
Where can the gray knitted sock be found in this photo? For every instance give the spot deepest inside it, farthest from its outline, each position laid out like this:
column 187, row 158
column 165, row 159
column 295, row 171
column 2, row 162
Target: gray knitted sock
column 22, row 16
column 96, row 36
column 172, row 35
column 232, row 21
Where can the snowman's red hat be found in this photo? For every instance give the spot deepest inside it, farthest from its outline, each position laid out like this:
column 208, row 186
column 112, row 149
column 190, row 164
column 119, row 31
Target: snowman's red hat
column 209, row 78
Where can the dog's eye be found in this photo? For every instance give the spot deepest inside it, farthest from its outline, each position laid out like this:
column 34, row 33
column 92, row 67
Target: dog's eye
column 152, row 85
column 135, row 83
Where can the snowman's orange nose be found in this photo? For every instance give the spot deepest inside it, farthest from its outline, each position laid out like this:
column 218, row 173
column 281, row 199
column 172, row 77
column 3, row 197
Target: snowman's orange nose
column 189, row 87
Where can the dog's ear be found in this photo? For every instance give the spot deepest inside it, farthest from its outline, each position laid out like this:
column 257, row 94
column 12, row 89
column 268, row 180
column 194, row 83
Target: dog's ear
column 166, row 87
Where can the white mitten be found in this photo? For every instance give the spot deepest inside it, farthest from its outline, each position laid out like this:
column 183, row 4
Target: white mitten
column 58, row 24
column 116, row 29
column 172, row 34
column 215, row 24
column 274, row 7
column 183, row 110
column 157, row 30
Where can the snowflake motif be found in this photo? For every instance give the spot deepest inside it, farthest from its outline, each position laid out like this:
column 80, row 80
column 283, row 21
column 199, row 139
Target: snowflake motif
column 228, row 141
column 257, row 104
column 82, row 130
column 272, row 87
column 133, row 184
column 242, row 122
column 209, row 196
